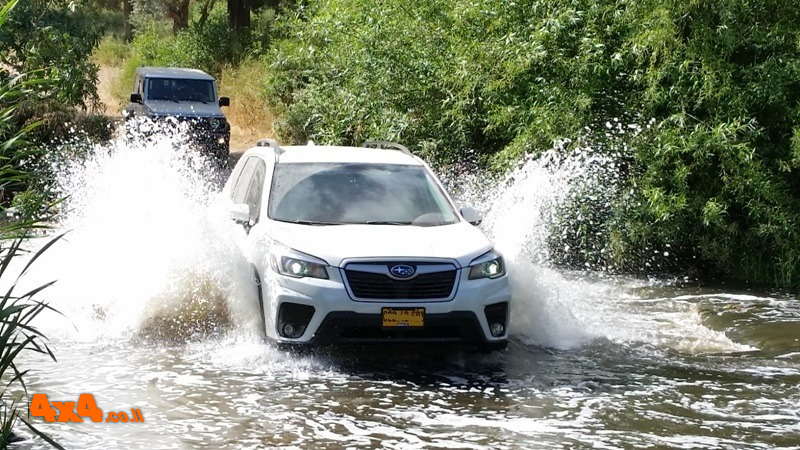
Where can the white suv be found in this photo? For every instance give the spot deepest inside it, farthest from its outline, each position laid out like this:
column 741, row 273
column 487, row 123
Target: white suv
column 363, row 245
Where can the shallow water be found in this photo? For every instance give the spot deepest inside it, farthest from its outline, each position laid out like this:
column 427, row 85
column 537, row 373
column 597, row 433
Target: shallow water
column 236, row 392
column 159, row 314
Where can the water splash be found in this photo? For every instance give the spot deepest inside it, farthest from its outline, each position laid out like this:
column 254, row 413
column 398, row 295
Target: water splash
column 145, row 253
column 561, row 309
column 519, row 219
column 149, row 254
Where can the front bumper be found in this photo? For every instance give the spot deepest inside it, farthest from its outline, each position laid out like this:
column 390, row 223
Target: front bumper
column 214, row 143
column 458, row 327
column 327, row 314
column 200, row 132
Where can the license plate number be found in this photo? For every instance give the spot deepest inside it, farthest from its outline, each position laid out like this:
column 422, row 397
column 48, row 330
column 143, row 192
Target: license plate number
column 403, row 317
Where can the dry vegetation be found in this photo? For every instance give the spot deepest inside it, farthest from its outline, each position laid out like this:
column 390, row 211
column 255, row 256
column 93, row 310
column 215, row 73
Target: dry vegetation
column 248, row 114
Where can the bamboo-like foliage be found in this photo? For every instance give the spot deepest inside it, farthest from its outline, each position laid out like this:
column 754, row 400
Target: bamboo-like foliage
column 18, row 334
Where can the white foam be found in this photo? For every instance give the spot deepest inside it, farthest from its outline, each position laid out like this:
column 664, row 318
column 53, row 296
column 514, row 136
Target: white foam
column 563, row 310
column 143, row 246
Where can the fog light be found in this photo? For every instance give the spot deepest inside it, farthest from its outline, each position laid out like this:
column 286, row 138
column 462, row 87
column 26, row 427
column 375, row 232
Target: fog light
column 497, row 329
column 293, row 319
column 221, row 140
column 293, row 331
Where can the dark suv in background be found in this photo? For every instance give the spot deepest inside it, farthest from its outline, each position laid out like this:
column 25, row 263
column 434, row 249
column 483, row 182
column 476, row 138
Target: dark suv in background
column 188, row 95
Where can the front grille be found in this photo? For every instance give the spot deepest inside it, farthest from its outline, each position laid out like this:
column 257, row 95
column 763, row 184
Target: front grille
column 198, row 124
column 369, row 285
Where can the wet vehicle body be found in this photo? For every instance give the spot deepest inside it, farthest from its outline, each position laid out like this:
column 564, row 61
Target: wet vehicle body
column 364, row 246
column 172, row 96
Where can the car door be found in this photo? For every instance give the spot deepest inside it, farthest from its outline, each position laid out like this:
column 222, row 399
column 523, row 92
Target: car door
column 136, row 109
column 251, row 188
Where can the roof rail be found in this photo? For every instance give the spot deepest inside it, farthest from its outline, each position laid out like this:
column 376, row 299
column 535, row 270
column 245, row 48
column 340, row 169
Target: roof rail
column 386, row 145
column 271, row 143
column 267, row 143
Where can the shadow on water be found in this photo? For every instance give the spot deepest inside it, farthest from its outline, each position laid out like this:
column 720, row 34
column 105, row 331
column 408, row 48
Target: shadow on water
column 596, row 365
column 419, row 364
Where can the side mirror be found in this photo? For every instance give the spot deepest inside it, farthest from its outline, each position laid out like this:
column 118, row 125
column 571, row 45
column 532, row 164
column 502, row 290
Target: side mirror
column 224, row 101
column 240, row 213
column 470, row 215
column 136, row 98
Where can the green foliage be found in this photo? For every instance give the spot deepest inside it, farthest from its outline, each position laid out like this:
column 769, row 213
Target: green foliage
column 149, row 14
column 12, row 177
column 710, row 178
column 446, row 77
column 18, row 335
column 207, row 45
column 55, row 39
column 717, row 173
column 111, row 52
column 50, row 41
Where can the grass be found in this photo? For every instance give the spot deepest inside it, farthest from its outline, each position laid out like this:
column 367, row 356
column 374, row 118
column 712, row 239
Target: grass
column 18, row 334
column 111, row 52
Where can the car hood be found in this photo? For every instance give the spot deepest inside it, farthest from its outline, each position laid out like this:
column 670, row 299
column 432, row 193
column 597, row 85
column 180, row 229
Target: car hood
column 334, row 243
column 184, row 109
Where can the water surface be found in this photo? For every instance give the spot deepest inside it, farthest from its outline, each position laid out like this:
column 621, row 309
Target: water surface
column 159, row 314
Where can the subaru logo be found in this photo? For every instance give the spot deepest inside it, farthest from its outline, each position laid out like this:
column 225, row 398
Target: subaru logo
column 402, row 271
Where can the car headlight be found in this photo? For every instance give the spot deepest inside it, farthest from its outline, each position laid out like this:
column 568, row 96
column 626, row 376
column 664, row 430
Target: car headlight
column 489, row 265
column 217, row 124
column 297, row 265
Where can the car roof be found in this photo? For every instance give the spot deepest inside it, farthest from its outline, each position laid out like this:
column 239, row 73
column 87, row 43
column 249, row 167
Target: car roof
column 341, row 154
column 173, row 72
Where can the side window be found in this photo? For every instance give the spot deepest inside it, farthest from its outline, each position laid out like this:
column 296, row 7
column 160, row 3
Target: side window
column 255, row 190
column 243, row 182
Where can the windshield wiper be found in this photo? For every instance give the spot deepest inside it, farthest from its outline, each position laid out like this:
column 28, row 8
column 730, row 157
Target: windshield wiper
column 385, row 222
column 310, row 222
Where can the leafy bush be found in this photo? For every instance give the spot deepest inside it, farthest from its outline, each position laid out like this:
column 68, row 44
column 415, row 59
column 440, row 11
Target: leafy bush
column 111, row 52
column 208, row 46
column 713, row 86
column 54, row 38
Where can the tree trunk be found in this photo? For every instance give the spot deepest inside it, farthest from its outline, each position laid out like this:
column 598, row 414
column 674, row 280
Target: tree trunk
column 127, row 9
column 178, row 12
column 205, row 11
column 238, row 14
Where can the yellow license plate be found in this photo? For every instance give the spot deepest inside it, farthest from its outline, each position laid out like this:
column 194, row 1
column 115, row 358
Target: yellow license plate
column 403, row 317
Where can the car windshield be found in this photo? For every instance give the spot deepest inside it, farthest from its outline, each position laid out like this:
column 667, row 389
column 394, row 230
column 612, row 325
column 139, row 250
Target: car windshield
column 338, row 193
column 180, row 90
